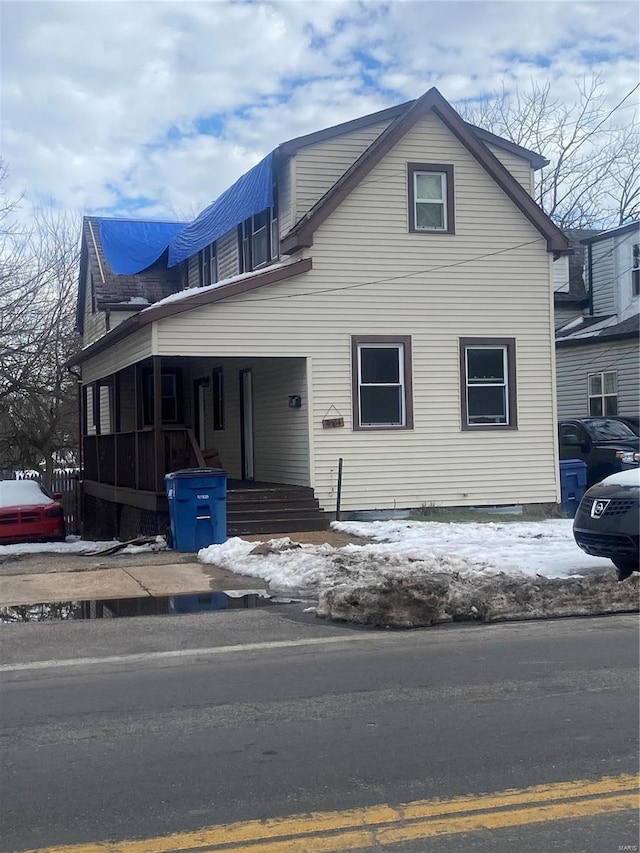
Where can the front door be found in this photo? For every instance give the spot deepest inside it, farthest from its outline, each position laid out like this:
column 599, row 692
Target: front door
column 246, row 422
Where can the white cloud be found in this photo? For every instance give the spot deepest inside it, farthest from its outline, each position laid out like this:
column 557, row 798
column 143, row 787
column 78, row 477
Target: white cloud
column 157, row 107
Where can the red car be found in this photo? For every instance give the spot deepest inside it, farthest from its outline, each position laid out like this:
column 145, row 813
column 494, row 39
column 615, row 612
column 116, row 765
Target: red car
column 29, row 514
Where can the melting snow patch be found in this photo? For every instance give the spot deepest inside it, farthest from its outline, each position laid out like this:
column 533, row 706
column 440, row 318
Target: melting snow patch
column 422, row 573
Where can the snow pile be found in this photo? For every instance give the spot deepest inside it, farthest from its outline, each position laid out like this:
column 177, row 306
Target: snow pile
column 424, row 573
column 416, row 601
column 418, row 548
column 75, row 545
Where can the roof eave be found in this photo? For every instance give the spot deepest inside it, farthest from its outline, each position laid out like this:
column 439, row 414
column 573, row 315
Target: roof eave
column 171, row 309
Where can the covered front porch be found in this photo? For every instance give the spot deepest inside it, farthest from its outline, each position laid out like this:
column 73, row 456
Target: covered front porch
column 247, row 416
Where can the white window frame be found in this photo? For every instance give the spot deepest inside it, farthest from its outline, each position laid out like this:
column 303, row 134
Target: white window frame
column 507, row 346
column 602, row 396
column 442, row 201
column 401, row 344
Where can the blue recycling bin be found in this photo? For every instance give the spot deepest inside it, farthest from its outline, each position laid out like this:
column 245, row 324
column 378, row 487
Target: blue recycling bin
column 573, row 484
column 197, row 500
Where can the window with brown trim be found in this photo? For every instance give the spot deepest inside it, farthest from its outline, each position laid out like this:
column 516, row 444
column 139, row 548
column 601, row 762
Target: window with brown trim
column 381, row 382
column 488, row 383
column 431, row 198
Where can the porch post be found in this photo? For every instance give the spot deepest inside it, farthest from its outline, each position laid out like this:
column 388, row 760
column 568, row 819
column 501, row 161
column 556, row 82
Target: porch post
column 157, row 422
column 137, row 393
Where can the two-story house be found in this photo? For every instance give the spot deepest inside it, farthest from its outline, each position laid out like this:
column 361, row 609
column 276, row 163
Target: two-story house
column 379, row 292
column 598, row 366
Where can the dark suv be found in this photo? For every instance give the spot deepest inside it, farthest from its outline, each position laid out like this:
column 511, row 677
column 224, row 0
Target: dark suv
column 606, row 445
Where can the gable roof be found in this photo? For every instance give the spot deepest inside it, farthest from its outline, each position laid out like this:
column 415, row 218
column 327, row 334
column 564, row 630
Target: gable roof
column 301, row 235
column 292, row 146
column 613, row 232
column 111, row 289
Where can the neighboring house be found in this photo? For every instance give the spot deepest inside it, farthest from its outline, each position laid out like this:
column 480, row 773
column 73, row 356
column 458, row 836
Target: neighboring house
column 597, row 362
column 378, row 292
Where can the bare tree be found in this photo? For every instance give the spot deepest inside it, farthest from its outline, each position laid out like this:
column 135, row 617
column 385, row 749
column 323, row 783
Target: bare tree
column 38, row 273
column 593, row 178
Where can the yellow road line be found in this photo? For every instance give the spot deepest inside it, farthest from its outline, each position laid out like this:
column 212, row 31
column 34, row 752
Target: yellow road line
column 383, row 824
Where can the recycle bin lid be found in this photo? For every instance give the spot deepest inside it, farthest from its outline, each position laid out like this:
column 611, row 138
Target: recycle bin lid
column 196, row 472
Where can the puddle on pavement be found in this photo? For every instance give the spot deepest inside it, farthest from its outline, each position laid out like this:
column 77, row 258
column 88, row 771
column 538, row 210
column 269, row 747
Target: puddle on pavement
column 171, row 605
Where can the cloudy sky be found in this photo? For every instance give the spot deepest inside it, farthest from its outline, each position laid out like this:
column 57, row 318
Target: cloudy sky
column 153, row 108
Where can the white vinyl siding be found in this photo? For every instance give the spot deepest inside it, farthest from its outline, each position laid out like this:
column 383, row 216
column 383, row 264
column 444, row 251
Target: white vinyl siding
column 318, row 166
column 285, row 197
column 129, row 351
column 360, row 254
column 281, row 434
column 573, row 364
column 518, row 166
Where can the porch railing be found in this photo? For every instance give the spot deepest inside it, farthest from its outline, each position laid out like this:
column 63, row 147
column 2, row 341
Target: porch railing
column 128, row 459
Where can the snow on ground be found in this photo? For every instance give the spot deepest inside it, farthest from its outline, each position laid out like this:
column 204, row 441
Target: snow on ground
column 74, row 545
column 544, row 548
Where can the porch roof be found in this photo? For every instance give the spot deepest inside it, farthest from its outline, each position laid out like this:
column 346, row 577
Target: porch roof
column 195, row 297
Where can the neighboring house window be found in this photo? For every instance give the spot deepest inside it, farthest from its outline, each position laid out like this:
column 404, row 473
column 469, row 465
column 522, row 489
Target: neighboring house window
column 257, row 246
column 603, row 393
column 381, row 380
column 488, row 383
column 171, row 384
column 635, row 270
column 208, row 266
column 430, row 191
column 218, row 398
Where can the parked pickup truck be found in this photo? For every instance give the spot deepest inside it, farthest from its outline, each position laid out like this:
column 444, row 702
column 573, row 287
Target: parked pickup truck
column 606, row 445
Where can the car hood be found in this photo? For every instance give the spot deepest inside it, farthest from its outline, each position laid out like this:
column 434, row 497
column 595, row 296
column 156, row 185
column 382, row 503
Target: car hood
column 614, row 491
column 619, row 444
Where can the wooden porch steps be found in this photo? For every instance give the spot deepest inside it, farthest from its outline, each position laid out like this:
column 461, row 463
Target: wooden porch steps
column 272, row 508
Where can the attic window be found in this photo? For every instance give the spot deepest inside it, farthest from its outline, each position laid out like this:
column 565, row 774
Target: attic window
column 430, row 194
column 635, row 270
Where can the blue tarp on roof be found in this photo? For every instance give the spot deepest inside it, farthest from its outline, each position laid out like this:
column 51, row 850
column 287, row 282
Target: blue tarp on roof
column 250, row 194
column 131, row 246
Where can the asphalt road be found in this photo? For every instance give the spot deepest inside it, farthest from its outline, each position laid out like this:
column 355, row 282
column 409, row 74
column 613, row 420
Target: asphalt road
column 139, row 728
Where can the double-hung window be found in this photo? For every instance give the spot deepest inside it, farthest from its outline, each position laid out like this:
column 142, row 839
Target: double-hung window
column 603, row 393
column 208, row 267
column 381, row 376
column 488, row 383
column 258, row 240
column 430, row 191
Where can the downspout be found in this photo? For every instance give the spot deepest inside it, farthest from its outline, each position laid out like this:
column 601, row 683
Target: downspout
column 157, row 422
column 590, row 276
